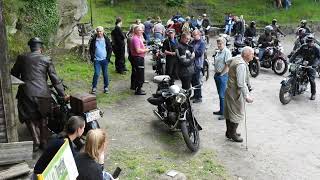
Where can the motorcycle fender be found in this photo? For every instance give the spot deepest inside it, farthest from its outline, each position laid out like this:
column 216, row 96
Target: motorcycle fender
column 183, row 117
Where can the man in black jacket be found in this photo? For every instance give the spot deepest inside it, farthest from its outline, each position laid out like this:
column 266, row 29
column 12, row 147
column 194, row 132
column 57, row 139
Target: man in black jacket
column 118, row 46
column 34, row 96
column 310, row 53
column 264, row 41
column 169, row 48
column 100, row 53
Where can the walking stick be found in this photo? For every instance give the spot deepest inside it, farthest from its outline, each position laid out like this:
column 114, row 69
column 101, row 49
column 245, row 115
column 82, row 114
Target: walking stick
column 245, row 124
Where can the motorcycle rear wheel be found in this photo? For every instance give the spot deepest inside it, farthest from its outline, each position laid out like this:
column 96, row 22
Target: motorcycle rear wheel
column 190, row 135
column 254, row 67
column 285, row 94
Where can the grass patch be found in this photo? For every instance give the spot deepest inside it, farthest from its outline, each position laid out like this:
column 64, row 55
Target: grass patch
column 147, row 165
column 77, row 75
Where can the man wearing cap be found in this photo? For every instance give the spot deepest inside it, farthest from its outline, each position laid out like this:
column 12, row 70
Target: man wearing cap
column 169, row 48
column 100, row 53
column 34, row 96
column 118, row 47
column 311, row 54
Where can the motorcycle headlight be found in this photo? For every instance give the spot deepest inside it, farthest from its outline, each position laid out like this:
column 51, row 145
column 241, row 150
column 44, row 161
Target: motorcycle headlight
column 181, row 98
column 256, row 51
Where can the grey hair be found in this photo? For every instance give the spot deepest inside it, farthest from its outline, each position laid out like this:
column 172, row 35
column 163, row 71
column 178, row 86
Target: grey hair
column 246, row 49
column 99, row 28
column 196, row 31
column 221, row 39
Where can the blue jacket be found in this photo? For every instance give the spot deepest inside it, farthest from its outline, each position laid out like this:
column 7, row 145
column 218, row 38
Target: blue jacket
column 199, row 48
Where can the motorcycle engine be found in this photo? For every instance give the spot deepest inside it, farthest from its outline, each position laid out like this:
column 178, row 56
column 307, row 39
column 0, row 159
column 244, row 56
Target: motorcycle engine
column 172, row 116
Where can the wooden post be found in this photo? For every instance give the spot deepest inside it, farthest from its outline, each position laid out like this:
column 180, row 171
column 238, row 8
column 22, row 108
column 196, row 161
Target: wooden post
column 5, row 81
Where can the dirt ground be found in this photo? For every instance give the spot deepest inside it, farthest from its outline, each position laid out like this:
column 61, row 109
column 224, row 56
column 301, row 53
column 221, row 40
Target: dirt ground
column 283, row 140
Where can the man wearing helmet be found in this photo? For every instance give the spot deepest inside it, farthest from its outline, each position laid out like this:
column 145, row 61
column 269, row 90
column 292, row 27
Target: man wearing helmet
column 276, row 29
column 251, row 31
column 265, row 40
column 34, row 97
column 303, row 24
column 310, row 53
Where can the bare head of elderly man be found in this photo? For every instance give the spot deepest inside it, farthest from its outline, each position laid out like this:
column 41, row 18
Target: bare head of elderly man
column 196, row 34
column 247, row 53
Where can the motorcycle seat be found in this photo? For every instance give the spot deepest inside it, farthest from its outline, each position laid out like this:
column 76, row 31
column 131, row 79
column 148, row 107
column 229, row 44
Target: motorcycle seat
column 161, row 78
column 155, row 100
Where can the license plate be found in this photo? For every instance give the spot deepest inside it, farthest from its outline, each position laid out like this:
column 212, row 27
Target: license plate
column 92, row 115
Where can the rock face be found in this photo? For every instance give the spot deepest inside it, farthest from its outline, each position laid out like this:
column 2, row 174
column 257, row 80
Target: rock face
column 71, row 11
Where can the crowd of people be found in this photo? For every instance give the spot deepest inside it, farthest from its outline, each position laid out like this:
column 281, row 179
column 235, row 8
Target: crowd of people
column 184, row 48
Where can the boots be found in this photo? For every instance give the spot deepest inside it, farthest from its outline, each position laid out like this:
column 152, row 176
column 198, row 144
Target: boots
column 233, row 132
column 228, row 135
column 139, row 91
column 35, row 135
column 44, row 133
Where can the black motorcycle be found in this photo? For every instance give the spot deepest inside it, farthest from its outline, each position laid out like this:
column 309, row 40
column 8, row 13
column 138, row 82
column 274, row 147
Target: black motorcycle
column 274, row 58
column 174, row 109
column 296, row 83
column 158, row 57
column 62, row 110
column 254, row 65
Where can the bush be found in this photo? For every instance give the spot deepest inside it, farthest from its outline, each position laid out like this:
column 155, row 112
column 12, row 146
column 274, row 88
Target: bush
column 174, row 3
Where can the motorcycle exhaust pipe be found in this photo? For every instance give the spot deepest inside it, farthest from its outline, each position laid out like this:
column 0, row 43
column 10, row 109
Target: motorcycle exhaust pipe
column 158, row 115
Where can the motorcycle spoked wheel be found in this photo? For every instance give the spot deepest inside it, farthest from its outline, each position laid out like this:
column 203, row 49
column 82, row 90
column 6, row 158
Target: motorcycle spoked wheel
column 254, row 68
column 280, row 66
column 190, row 134
column 285, row 94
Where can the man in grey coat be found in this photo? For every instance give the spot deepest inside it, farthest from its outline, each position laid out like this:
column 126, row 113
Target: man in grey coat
column 237, row 93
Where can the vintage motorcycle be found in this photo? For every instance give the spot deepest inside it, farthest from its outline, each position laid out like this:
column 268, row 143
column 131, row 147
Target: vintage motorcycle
column 296, row 83
column 174, row 109
column 158, row 57
column 80, row 104
column 274, row 58
column 254, row 65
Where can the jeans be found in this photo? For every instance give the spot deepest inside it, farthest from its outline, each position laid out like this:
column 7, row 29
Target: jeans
column 261, row 52
column 228, row 29
column 97, row 66
column 221, row 83
column 158, row 36
column 196, row 79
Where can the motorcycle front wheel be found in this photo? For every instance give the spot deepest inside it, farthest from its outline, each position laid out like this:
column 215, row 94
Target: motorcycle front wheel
column 190, row 135
column 254, row 67
column 285, row 94
column 280, row 66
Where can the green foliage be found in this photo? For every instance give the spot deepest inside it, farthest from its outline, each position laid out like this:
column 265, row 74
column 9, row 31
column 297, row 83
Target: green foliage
column 173, row 3
column 41, row 18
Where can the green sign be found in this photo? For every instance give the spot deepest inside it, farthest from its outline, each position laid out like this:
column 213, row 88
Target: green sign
column 62, row 166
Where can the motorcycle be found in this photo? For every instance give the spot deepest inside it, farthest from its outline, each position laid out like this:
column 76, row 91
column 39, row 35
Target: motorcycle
column 205, row 69
column 159, row 64
column 296, row 83
column 274, row 58
column 254, row 65
column 83, row 105
column 174, row 109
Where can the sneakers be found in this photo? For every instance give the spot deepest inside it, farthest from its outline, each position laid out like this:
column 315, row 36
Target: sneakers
column 106, row 91
column 94, row 91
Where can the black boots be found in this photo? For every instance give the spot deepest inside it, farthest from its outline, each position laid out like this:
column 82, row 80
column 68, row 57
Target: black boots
column 139, row 91
column 231, row 132
column 34, row 133
column 313, row 97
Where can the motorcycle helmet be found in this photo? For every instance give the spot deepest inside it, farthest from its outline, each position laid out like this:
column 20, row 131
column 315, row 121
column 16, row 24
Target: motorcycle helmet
column 274, row 21
column 310, row 38
column 303, row 22
column 35, row 42
column 268, row 29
